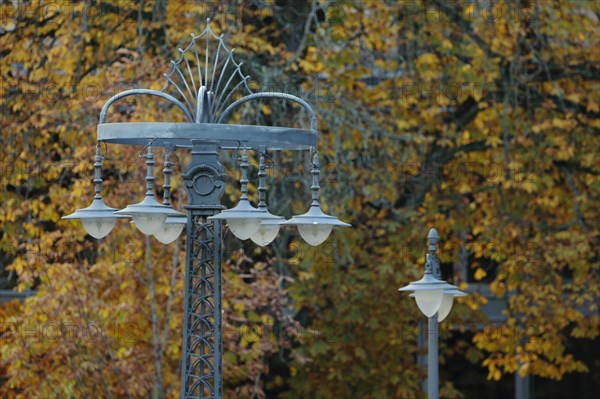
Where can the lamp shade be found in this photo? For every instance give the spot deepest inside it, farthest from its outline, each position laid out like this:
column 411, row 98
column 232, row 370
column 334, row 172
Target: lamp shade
column 267, row 231
column 447, row 303
column 243, row 228
column 97, row 219
column 428, row 293
column 315, row 226
column 240, row 219
column 244, row 220
column 429, row 301
column 315, row 233
column 99, row 227
column 170, row 229
column 149, row 214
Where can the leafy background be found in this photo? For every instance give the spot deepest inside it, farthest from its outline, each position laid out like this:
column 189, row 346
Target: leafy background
column 479, row 119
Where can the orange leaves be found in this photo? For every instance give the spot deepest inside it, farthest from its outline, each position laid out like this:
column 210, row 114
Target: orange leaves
column 484, row 130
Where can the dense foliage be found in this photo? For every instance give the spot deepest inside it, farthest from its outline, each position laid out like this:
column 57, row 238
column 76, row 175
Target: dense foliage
column 479, row 120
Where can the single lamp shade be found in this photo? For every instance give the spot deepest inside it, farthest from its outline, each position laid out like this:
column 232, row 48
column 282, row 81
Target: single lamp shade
column 243, row 228
column 315, row 226
column 447, row 303
column 170, row 229
column 97, row 219
column 429, row 293
column 315, row 233
column 148, row 223
column 98, row 227
column 445, row 306
column 429, row 301
column 266, row 233
column 149, row 214
column 244, row 220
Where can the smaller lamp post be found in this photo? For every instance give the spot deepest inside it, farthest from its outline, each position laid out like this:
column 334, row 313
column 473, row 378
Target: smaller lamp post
column 434, row 298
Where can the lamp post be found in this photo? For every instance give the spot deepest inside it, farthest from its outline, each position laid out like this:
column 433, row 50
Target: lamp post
column 434, row 298
column 207, row 90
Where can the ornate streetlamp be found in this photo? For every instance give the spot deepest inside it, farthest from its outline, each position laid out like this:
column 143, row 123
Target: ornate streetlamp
column 434, row 298
column 205, row 87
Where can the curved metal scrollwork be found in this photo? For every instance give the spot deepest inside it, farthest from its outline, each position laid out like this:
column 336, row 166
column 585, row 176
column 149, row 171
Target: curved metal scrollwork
column 207, row 86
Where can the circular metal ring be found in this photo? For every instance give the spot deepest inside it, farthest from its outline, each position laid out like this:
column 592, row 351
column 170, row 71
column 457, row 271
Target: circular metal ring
column 228, row 136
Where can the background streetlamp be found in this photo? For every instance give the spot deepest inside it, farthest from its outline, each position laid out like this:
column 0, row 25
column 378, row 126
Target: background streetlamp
column 434, row 298
column 207, row 98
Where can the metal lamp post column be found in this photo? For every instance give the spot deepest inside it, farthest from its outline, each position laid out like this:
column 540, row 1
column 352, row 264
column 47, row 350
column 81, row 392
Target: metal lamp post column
column 432, row 325
column 432, row 358
column 202, row 363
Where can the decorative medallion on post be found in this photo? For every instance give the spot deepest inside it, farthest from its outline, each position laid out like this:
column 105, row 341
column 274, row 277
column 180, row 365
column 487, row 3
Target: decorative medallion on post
column 205, row 177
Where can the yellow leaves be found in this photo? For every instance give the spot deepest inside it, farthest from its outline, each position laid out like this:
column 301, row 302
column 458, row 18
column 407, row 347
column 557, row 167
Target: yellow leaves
column 305, row 275
column 265, row 109
column 429, row 66
column 311, row 63
column 18, row 266
column 493, row 141
column 372, row 183
column 427, row 59
column 239, row 307
column 65, row 287
column 447, row 44
column 123, row 352
column 480, row 274
column 495, row 374
column 563, row 123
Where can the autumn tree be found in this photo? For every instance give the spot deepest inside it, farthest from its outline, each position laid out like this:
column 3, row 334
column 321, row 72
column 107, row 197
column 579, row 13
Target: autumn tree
column 478, row 120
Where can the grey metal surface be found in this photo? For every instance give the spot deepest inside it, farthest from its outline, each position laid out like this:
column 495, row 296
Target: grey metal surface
column 432, row 357
column 523, row 387
column 9, row 295
column 270, row 95
column 228, row 136
column 202, row 362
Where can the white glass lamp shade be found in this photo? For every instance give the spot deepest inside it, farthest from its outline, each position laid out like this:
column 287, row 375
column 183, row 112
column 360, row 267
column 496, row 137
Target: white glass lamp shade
column 244, row 220
column 243, row 228
column 445, row 306
column 315, row 226
column 148, row 215
column 429, row 293
column 97, row 219
column 170, row 229
column 316, row 233
column 447, row 303
column 429, row 301
column 266, row 233
column 148, row 223
column 98, row 227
